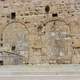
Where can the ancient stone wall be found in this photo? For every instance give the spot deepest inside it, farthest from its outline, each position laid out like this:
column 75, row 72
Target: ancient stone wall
column 41, row 31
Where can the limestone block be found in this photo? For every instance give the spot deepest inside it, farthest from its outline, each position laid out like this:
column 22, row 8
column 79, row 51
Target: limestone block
column 76, row 43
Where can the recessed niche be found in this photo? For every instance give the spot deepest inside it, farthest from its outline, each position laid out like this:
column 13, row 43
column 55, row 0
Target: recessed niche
column 54, row 15
column 47, row 9
column 13, row 15
column 13, row 48
column 1, row 62
column 1, row 44
column 1, row 39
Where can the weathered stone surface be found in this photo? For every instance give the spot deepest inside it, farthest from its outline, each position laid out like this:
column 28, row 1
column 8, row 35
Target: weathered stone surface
column 42, row 31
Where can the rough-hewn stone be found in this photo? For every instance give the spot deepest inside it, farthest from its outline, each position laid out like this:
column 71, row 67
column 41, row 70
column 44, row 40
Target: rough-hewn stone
column 42, row 31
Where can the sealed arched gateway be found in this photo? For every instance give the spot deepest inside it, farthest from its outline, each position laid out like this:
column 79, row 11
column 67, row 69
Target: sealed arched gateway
column 58, row 42
column 15, row 43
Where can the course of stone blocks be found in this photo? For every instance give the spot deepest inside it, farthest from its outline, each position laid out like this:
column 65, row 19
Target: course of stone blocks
column 39, row 32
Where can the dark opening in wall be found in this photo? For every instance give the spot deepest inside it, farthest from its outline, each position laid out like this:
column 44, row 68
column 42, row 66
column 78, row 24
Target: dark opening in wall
column 1, row 44
column 1, row 37
column 1, row 62
column 13, row 48
column 47, row 9
column 39, row 27
column 54, row 15
column 2, row 0
column 13, row 15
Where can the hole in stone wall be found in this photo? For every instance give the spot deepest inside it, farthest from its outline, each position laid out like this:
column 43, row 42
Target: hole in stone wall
column 1, row 62
column 1, row 45
column 47, row 9
column 13, row 48
column 13, row 15
column 54, row 15
column 72, row 42
column 1, row 39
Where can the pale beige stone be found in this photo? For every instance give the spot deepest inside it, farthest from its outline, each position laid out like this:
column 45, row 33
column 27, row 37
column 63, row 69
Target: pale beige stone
column 40, row 36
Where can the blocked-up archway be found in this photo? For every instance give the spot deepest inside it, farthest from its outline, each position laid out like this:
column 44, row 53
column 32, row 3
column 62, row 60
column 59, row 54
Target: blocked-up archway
column 15, row 40
column 58, row 41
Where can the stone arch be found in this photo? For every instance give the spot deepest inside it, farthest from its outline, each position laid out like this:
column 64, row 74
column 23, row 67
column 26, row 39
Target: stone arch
column 57, row 39
column 25, row 27
column 57, row 19
column 16, row 34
